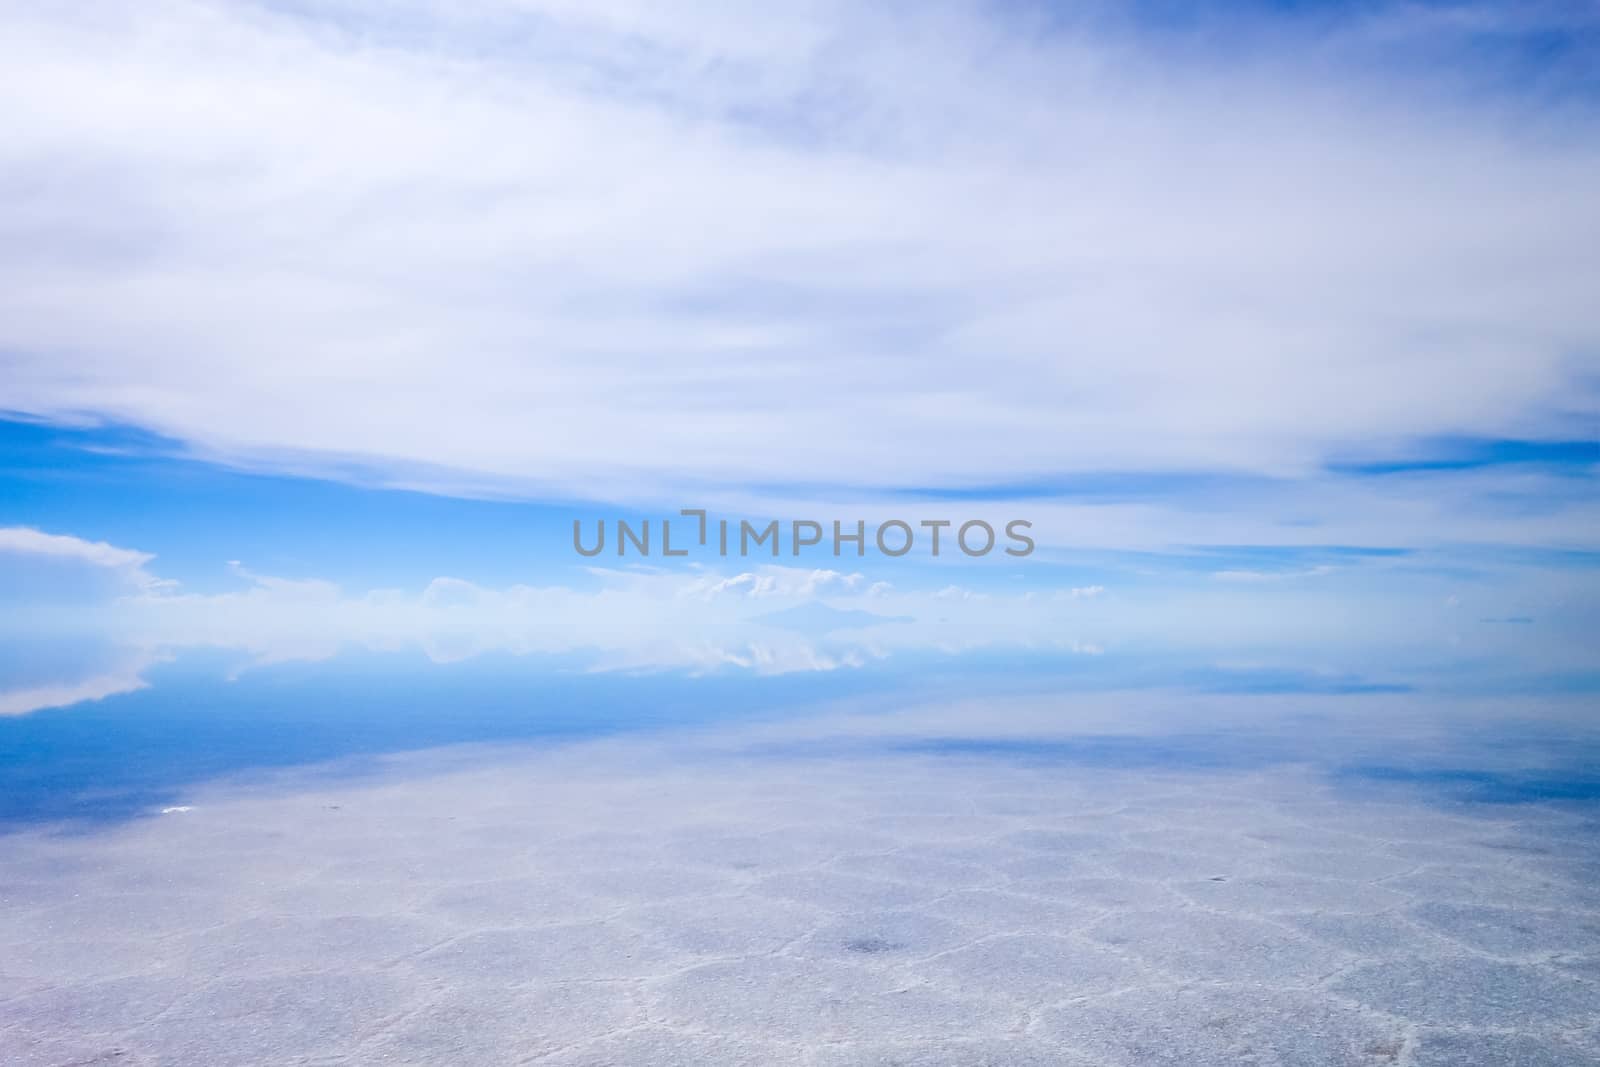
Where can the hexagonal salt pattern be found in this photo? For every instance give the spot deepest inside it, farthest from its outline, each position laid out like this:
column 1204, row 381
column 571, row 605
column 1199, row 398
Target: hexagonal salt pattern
column 622, row 911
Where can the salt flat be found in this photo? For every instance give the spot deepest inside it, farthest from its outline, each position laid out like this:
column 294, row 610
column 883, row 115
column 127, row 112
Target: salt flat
column 624, row 903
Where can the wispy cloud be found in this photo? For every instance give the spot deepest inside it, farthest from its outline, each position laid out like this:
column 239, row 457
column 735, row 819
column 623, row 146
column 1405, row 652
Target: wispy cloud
column 27, row 541
column 1272, row 576
column 600, row 250
column 21, row 700
column 645, row 619
column 124, row 564
column 778, row 620
column 775, row 581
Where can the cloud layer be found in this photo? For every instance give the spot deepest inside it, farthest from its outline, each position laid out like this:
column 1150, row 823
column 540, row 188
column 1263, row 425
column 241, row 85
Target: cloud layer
column 593, row 250
column 1337, row 621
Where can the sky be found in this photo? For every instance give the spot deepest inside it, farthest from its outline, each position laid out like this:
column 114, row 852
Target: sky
column 322, row 324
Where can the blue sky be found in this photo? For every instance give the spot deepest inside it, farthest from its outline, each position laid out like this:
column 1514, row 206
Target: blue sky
column 178, row 556
column 1277, row 321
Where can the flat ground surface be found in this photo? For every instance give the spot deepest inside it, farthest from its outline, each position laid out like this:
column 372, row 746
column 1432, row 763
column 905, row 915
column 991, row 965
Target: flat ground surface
column 615, row 902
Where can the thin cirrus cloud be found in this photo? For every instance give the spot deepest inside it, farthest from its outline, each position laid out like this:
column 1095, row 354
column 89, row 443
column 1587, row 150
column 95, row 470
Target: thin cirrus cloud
column 593, row 250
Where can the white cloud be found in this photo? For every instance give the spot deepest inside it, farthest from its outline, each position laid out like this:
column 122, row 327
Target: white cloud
column 603, row 250
column 1272, row 576
column 22, row 700
column 639, row 620
column 26, row 540
column 775, row 581
column 123, row 564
